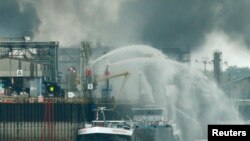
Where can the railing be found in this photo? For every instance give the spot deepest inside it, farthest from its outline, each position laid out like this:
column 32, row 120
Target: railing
column 21, row 99
column 104, row 100
column 26, row 99
column 153, row 123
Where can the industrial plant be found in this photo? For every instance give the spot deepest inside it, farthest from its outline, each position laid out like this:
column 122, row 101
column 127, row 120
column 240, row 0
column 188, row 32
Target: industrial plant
column 48, row 92
column 117, row 70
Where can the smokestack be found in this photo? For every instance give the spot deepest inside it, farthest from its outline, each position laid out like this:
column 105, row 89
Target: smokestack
column 217, row 67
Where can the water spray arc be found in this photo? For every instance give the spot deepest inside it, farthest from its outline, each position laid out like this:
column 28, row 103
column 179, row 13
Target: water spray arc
column 192, row 99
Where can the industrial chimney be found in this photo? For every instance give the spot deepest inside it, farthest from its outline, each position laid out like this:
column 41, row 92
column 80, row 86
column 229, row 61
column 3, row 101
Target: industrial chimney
column 217, row 67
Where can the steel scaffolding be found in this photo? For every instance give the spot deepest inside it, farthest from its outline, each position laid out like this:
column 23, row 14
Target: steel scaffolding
column 37, row 52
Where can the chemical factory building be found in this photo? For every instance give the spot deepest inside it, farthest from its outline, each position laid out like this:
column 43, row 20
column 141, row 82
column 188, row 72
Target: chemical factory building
column 34, row 52
column 27, row 66
column 239, row 91
column 19, row 68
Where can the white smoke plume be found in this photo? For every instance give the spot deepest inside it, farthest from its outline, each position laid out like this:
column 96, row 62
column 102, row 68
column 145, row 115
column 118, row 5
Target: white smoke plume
column 235, row 52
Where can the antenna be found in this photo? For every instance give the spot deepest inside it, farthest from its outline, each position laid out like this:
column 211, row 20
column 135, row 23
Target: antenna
column 101, row 109
column 205, row 61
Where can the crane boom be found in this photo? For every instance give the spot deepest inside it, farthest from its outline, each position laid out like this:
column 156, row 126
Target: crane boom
column 112, row 76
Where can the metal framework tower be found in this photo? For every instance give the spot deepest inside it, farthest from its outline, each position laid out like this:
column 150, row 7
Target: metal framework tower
column 35, row 52
column 85, row 54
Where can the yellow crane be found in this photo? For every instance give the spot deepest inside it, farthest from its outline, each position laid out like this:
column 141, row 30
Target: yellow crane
column 107, row 77
column 125, row 74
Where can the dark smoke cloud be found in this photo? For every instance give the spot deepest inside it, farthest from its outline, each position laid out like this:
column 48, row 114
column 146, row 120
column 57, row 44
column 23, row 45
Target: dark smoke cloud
column 234, row 19
column 160, row 23
column 15, row 21
column 180, row 23
column 174, row 23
